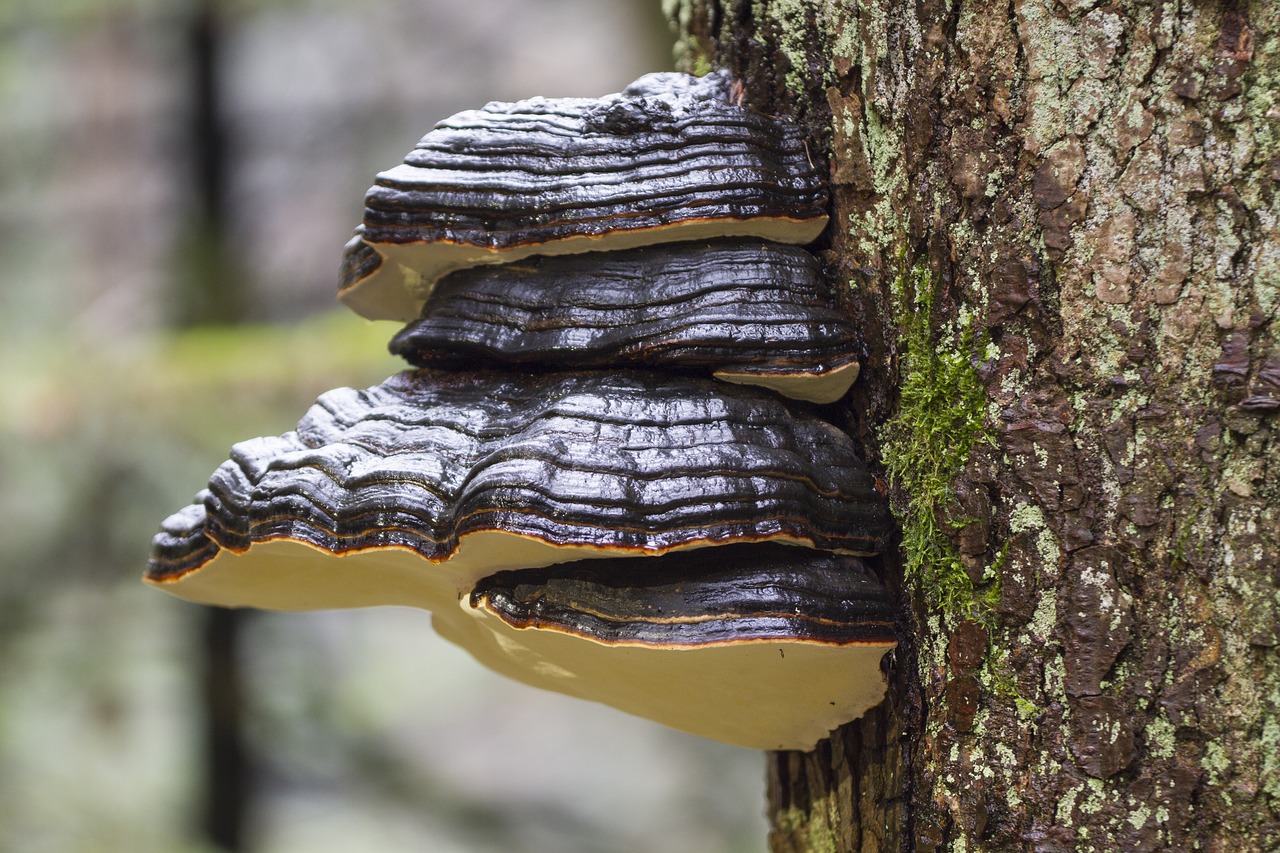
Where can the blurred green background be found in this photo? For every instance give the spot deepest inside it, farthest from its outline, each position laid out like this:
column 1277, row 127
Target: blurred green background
column 177, row 180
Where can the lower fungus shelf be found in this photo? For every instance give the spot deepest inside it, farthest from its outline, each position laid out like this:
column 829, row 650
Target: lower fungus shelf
column 760, row 646
column 763, row 646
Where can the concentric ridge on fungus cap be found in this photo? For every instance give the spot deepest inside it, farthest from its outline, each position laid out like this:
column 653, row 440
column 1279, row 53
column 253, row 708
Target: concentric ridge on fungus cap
column 595, row 464
column 669, row 158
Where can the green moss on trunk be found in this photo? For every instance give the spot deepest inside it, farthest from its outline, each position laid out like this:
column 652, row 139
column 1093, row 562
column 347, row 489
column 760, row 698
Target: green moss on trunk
column 940, row 418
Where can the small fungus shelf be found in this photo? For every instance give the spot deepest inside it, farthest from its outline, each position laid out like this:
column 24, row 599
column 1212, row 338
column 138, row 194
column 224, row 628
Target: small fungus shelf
column 793, row 636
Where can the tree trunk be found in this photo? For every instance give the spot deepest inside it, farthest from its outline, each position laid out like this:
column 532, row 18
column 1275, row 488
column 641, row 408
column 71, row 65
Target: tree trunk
column 1058, row 220
column 209, row 291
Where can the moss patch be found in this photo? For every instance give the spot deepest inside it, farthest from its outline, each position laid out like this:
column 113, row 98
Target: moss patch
column 691, row 54
column 925, row 445
column 814, row 829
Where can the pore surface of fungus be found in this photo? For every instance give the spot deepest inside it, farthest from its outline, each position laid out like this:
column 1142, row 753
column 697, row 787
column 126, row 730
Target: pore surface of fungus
column 671, row 157
column 746, row 311
column 434, row 479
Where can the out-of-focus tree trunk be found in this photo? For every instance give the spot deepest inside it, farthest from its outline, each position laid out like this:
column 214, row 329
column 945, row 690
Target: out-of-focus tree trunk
column 1058, row 220
column 209, row 291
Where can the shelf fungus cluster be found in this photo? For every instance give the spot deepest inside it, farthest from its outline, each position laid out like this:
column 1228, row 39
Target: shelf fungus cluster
column 604, row 474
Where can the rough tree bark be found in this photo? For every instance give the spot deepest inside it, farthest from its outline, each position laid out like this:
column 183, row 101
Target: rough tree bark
column 1059, row 222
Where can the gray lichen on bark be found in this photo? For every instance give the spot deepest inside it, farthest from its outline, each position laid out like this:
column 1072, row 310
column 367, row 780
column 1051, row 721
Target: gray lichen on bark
column 1092, row 189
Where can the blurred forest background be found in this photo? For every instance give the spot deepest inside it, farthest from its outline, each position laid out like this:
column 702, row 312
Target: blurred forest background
column 177, row 180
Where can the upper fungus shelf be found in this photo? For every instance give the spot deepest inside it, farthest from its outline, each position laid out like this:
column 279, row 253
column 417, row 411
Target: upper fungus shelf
column 671, row 157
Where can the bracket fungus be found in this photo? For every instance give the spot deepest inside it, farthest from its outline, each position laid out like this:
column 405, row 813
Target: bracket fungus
column 574, row 507
column 749, row 312
column 671, row 157
column 456, row 475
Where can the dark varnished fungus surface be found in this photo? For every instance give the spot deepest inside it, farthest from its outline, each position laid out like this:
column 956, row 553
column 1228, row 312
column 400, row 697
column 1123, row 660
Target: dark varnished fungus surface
column 730, row 594
column 669, row 158
column 359, row 260
column 494, row 470
column 751, row 312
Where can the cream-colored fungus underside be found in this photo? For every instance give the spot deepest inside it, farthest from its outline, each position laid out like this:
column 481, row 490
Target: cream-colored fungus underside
column 811, row 387
column 288, row 574
column 398, row 287
column 757, row 694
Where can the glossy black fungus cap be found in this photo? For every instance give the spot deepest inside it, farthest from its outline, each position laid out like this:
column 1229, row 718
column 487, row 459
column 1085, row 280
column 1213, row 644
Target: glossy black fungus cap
column 456, row 475
column 746, row 311
column 669, row 158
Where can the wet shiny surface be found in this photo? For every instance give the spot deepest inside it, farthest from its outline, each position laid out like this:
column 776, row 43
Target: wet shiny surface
column 669, row 147
column 735, row 593
column 745, row 306
column 629, row 460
